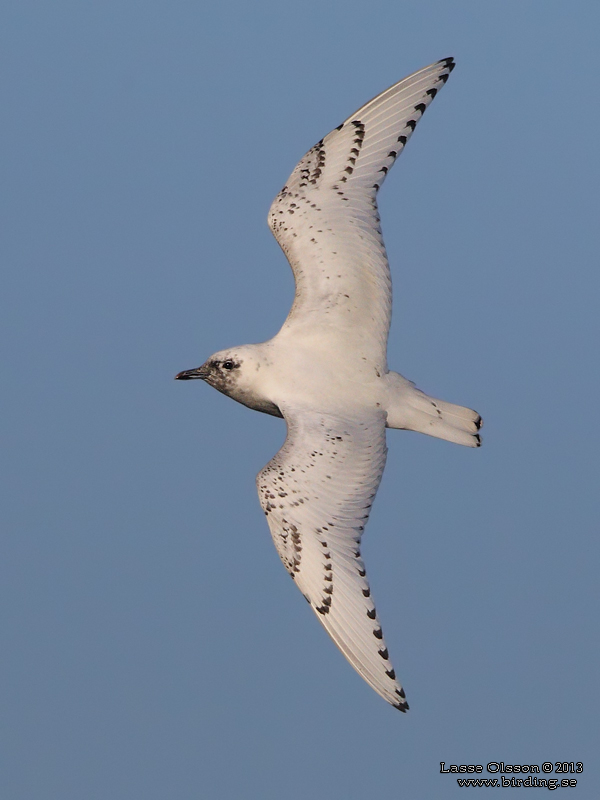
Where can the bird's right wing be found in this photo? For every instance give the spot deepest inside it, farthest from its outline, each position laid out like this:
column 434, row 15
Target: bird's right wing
column 326, row 220
column 316, row 493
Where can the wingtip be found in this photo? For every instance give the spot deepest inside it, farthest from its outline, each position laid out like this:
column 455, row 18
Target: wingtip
column 449, row 63
column 401, row 705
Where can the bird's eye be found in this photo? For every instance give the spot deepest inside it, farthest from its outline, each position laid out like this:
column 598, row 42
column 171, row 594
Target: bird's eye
column 228, row 364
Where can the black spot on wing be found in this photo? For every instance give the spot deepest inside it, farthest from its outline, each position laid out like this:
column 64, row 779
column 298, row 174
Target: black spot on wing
column 401, row 705
column 320, row 165
column 449, row 62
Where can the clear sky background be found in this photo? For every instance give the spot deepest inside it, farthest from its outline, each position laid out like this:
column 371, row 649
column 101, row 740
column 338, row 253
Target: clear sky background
column 153, row 646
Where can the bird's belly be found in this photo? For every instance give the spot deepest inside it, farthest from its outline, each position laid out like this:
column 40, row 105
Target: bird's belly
column 315, row 380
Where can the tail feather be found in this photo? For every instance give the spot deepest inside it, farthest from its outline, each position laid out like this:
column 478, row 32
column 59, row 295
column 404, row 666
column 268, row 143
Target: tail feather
column 411, row 409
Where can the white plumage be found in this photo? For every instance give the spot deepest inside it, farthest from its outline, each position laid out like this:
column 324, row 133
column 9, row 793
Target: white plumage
column 326, row 371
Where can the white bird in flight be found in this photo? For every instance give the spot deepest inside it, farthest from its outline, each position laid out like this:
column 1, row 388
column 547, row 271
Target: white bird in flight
column 326, row 371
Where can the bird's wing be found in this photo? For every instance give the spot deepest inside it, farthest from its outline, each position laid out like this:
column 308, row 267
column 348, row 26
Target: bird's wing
column 316, row 493
column 326, row 220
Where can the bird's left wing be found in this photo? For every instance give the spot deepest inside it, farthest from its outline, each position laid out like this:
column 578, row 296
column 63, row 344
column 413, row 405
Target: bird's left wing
column 316, row 493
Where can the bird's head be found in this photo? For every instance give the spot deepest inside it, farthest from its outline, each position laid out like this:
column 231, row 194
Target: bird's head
column 239, row 372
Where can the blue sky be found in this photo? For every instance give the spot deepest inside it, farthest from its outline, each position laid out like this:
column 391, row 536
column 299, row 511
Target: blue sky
column 153, row 645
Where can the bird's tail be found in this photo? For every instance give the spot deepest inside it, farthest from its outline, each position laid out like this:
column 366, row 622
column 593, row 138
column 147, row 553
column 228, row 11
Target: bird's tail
column 411, row 409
